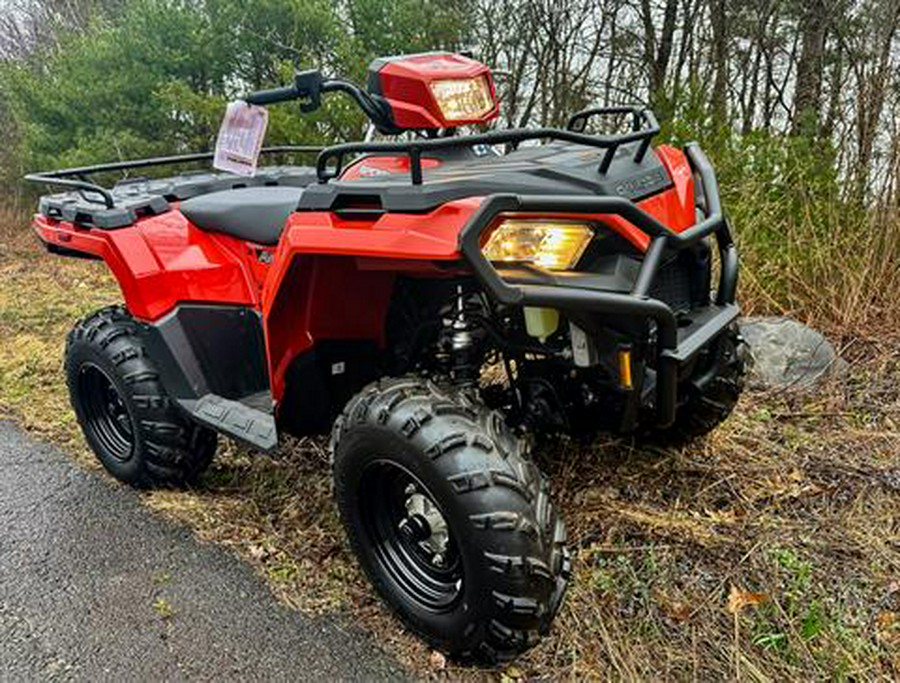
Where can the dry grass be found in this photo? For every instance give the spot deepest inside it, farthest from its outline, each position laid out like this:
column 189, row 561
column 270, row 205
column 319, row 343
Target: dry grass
column 805, row 251
column 796, row 498
column 838, row 278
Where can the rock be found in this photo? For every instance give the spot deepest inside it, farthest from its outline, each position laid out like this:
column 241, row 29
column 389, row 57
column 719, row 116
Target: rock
column 788, row 355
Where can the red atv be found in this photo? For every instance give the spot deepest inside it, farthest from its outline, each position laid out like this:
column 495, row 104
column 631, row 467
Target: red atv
column 436, row 303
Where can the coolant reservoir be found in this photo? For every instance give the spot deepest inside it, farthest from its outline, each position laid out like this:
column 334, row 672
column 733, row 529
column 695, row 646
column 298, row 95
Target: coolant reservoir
column 541, row 322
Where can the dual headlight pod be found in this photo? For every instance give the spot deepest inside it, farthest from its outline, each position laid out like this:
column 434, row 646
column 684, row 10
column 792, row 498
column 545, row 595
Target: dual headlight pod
column 550, row 244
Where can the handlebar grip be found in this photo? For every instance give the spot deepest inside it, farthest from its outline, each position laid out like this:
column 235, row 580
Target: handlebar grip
column 272, row 96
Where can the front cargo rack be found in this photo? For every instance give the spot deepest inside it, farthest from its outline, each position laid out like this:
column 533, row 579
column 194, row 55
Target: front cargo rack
column 644, row 128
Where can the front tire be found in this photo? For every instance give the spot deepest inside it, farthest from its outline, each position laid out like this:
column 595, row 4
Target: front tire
column 126, row 417
column 712, row 393
column 449, row 518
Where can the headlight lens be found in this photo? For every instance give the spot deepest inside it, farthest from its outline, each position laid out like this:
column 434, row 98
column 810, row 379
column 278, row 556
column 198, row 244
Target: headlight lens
column 554, row 245
column 463, row 99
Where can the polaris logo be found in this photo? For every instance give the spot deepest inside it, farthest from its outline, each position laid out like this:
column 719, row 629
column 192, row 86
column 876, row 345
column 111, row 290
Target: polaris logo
column 643, row 184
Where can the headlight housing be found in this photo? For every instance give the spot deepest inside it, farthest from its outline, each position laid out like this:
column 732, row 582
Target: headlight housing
column 463, row 99
column 554, row 245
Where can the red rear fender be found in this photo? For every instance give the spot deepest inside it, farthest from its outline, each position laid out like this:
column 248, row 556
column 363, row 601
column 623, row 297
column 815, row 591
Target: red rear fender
column 163, row 260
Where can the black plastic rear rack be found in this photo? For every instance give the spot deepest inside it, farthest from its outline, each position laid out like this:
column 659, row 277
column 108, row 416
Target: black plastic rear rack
column 644, row 128
column 79, row 178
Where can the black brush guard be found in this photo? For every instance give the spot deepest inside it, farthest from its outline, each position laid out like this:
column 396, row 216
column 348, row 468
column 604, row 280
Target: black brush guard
column 675, row 345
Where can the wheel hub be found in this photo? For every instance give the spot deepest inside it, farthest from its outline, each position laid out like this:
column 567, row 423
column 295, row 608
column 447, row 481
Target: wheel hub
column 409, row 537
column 425, row 525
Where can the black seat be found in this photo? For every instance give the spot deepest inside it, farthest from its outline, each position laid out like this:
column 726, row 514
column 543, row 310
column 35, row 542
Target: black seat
column 256, row 214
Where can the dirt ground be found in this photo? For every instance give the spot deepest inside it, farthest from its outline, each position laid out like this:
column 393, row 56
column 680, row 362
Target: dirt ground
column 771, row 550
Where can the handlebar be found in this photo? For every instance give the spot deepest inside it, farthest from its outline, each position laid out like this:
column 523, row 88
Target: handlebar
column 308, row 87
column 273, row 96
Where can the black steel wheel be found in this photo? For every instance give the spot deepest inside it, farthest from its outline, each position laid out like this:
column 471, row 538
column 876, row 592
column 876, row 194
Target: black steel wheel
column 127, row 419
column 106, row 417
column 410, row 536
column 449, row 518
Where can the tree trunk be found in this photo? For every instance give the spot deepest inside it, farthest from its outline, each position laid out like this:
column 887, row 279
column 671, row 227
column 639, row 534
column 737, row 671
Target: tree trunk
column 720, row 62
column 658, row 49
column 808, row 92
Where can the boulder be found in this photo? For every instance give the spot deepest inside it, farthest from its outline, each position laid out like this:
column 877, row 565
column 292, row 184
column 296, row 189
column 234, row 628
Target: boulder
column 787, row 354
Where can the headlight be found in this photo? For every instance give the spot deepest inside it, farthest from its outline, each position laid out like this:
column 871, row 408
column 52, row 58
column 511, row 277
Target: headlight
column 463, row 99
column 554, row 245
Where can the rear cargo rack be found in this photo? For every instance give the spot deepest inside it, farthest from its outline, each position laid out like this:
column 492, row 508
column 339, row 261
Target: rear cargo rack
column 78, row 179
column 644, row 128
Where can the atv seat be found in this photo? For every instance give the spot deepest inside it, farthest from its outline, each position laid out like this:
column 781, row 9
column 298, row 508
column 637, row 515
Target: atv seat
column 256, row 214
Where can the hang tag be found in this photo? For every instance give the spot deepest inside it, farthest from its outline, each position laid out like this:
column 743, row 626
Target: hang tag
column 240, row 138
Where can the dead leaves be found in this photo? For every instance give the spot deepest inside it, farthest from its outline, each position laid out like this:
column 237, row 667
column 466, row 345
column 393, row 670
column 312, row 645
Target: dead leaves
column 739, row 599
column 794, row 484
column 678, row 611
column 512, row 673
column 437, row 661
column 887, row 628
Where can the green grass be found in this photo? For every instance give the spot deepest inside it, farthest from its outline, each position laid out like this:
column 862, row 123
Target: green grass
column 163, row 609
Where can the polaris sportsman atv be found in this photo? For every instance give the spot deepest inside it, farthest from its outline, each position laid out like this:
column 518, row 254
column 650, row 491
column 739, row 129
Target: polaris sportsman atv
column 435, row 303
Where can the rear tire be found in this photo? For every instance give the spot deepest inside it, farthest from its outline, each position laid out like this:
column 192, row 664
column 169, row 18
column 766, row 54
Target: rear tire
column 126, row 417
column 420, row 472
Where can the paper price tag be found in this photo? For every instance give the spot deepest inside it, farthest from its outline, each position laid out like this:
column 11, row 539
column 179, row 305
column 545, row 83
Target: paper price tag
column 240, row 138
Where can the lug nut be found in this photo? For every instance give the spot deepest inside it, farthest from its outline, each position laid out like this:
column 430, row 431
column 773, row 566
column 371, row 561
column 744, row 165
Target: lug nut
column 406, row 530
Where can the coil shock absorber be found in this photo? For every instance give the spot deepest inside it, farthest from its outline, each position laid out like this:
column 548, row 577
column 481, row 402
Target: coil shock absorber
column 460, row 338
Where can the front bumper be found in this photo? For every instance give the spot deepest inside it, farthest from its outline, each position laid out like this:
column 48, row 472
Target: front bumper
column 675, row 345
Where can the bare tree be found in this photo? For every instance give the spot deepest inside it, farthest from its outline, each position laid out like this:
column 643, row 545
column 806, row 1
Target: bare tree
column 719, row 23
column 872, row 72
column 813, row 27
column 658, row 47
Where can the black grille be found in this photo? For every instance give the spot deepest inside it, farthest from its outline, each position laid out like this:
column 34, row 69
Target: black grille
column 673, row 286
